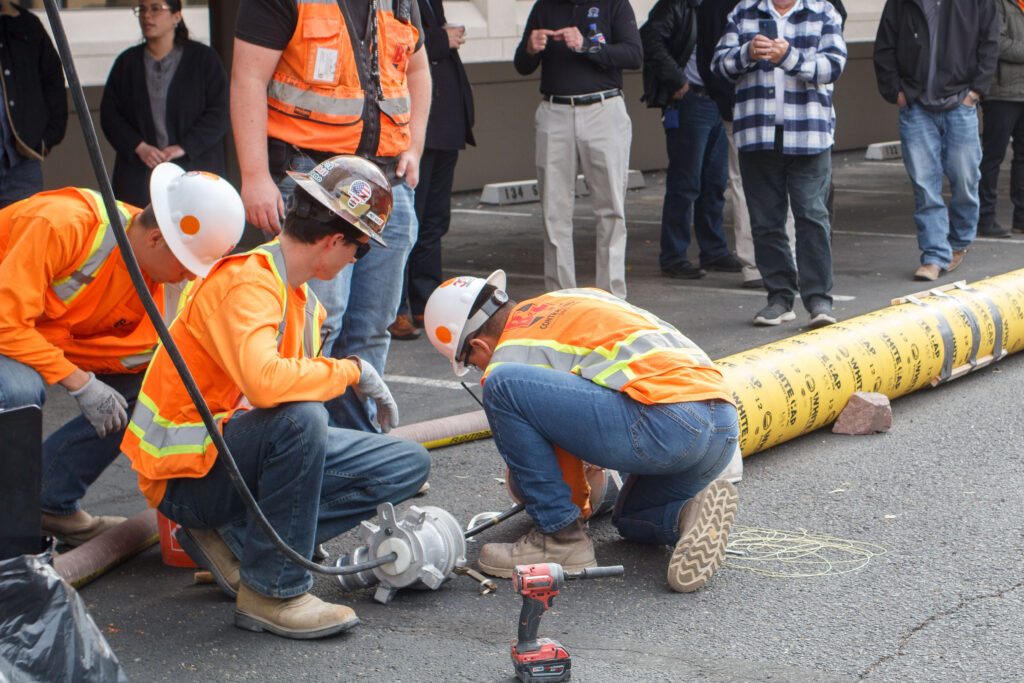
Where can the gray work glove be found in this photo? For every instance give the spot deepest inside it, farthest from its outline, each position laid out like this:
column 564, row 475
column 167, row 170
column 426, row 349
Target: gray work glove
column 103, row 407
column 372, row 386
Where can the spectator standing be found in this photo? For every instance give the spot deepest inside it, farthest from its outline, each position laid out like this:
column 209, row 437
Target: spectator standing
column 164, row 100
column 449, row 129
column 298, row 98
column 698, row 152
column 1003, row 109
column 784, row 126
column 582, row 46
column 936, row 60
column 34, row 114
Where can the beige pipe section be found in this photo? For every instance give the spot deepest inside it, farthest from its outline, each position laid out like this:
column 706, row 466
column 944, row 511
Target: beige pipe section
column 101, row 554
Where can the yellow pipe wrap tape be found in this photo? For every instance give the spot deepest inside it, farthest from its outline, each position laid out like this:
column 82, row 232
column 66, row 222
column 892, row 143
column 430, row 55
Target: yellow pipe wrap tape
column 797, row 385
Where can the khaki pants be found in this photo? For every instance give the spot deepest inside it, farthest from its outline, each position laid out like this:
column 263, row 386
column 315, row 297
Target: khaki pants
column 599, row 135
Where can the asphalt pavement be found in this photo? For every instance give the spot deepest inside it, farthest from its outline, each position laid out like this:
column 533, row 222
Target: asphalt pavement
column 934, row 507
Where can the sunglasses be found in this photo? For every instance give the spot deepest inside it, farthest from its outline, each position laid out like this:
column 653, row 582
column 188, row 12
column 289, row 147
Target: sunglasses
column 139, row 10
column 362, row 248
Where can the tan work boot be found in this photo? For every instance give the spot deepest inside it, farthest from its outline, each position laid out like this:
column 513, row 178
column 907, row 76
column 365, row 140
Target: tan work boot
column 958, row 258
column 928, row 272
column 569, row 547
column 208, row 549
column 704, row 525
column 78, row 527
column 403, row 328
column 303, row 617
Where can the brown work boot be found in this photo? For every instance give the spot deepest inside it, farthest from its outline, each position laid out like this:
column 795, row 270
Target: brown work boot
column 402, row 328
column 704, row 525
column 569, row 547
column 928, row 271
column 78, row 527
column 303, row 617
column 418, row 320
column 958, row 258
column 208, row 549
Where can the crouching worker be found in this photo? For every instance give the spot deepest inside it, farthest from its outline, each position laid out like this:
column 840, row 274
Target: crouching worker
column 250, row 333
column 582, row 370
column 69, row 315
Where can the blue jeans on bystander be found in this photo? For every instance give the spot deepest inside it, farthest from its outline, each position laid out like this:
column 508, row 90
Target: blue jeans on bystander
column 937, row 143
column 670, row 451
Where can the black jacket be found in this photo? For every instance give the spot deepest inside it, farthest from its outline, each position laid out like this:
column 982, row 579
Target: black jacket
column 968, row 34
column 712, row 18
column 669, row 37
column 33, row 82
column 450, row 125
column 197, row 116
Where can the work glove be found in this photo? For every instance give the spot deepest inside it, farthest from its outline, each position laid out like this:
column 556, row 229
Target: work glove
column 372, row 386
column 102, row 406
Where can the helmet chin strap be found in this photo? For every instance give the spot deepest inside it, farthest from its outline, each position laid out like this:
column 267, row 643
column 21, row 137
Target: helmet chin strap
column 497, row 299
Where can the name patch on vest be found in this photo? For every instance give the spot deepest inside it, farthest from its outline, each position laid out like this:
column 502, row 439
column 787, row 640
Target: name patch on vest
column 326, row 65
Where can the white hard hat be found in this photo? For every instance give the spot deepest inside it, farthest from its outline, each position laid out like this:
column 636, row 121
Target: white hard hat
column 200, row 215
column 446, row 315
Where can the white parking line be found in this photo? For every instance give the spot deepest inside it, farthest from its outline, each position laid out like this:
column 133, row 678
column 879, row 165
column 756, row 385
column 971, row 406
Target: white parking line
column 424, row 382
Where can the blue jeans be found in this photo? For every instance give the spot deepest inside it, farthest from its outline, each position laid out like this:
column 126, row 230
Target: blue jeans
column 74, row 456
column 935, row 143
column 363, row 299
column 773, row 182
column 20, row 181
column 313, row 482
column 670, row 451
column 698, row 171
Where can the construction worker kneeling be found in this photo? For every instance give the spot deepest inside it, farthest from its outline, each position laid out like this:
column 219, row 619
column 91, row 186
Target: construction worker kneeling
column 69, row 315
column 582, row 372
column 251, row 335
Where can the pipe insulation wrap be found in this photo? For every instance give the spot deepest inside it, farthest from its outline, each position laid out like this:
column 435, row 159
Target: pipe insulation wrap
column 446, row 431
column 794, row 386
column 101, row 554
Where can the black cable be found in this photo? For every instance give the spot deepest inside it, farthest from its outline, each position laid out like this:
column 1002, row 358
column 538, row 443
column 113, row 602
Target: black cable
column 92, row 143
column 464, row 386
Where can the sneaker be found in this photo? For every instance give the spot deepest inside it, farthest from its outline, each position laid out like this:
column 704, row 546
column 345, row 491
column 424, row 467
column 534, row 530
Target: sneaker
column 994, row 230
column 928, row 271
column 569, row 547
column 821, row 314
column 773, row 314
column 403, row 328
column 756, row 283
column 704, row 525
column 78, row 527
column 208, row 549
column 684, row 271
column 724, row 264
column 303, row 617
column 958, row 258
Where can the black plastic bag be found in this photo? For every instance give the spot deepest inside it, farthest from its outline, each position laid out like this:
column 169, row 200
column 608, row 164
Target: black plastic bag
column 46, row 634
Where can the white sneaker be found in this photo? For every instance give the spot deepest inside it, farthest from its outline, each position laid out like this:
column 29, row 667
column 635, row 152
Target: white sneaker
column 733, row 472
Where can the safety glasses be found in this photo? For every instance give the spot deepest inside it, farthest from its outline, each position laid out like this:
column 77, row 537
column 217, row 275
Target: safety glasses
column 139, row 10
column 362, row 250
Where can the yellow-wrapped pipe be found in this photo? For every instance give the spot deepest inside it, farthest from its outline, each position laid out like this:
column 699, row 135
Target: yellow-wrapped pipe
column 796, row 385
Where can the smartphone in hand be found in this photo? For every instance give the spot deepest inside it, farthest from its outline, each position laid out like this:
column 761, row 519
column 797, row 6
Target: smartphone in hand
column 768, row 28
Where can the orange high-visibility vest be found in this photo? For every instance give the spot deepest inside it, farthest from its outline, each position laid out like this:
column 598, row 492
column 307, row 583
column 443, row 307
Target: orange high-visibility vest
column 322, row 92
column 70, row 302
column 165, row 438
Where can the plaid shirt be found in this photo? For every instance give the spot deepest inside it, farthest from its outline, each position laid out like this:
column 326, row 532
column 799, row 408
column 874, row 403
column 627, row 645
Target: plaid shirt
column 815, row 59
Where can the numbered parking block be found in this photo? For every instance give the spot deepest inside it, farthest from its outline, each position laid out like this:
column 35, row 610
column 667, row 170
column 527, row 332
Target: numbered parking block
column 524, row 191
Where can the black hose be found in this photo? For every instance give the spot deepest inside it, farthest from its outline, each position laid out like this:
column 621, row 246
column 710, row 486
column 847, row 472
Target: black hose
column 515, row 509
column 93, row 145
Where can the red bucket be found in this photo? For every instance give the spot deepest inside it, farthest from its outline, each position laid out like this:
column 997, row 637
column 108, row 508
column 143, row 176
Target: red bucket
column 172, row 553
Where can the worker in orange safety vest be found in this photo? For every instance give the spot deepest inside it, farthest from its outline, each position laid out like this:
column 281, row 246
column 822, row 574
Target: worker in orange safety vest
column 581, row 371
column 70, row 315
column 250, row 332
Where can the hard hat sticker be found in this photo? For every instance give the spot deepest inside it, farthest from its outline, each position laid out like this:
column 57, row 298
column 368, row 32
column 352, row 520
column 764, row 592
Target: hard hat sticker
column 359, row 193
column 320, row 172
column 189, row 225
column 375, row 218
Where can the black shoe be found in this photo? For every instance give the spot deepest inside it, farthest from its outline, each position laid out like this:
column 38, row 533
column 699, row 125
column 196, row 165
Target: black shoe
column 1018, row 229
column 756, row 283
column 684, row 271
column 994, row 230
column 724, row 264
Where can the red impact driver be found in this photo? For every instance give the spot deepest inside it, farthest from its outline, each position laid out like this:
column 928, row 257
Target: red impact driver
column 544, row 659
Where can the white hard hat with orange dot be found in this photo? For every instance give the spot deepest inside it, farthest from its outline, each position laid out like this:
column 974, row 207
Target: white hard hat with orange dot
column 201, row 216
column 447, row 314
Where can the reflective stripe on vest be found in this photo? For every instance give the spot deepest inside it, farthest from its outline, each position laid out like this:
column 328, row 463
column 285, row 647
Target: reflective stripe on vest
column 68, row 288
column 160, row 437
column 614, row 370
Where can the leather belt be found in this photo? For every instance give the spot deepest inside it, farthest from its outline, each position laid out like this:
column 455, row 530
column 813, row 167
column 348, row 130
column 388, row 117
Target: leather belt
column 583, row 100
